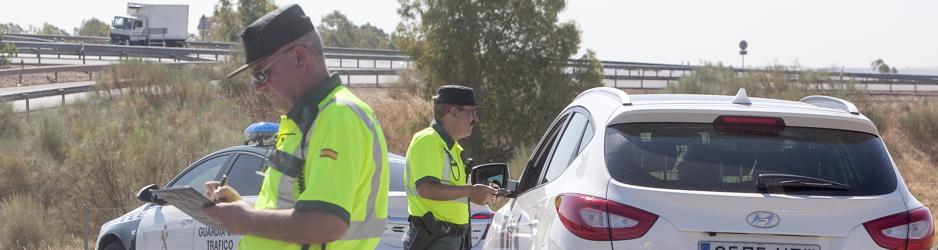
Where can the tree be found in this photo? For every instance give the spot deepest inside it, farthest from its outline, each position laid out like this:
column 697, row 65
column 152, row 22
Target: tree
column 8, row 49
column 250, row 10
column 337, row 31
column 93, row 27
column 880, row 66
column 11, row 28
column 225, row 23
column 514, row 53
column 49, row 29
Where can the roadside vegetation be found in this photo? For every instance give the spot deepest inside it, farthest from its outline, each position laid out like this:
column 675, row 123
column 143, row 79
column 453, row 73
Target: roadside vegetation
column 146, row 122
column 91, row 156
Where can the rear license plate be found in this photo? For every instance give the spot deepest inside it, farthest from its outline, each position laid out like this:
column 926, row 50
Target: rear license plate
column 722, row 245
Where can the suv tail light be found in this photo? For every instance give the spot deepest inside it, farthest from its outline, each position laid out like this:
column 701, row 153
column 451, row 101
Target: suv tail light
column 594, row 218
column 910, row 230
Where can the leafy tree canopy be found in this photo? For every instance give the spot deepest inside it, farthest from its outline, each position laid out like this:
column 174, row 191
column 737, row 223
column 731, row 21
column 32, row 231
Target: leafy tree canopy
column 93, row 27
column 337, row 31
column 516, row 54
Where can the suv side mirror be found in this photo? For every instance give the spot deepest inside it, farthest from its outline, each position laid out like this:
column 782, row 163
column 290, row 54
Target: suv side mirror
column 146, row 196
column 491, row 173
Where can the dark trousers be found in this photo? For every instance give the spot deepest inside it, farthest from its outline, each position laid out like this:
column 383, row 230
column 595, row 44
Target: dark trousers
column 447, row 242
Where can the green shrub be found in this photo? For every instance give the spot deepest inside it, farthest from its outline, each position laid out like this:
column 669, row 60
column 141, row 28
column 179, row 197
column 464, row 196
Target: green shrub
column 10, row 123
column 52, row 139
column 15, row 175
column 919, row 123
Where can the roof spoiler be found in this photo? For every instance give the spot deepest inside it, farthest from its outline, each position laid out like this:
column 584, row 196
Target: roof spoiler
column 831, row 102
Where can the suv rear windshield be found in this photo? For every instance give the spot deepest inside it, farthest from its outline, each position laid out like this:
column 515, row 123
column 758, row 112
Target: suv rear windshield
column 693, row 156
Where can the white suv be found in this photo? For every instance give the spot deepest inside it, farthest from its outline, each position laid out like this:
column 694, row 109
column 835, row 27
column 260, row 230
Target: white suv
column 708, row 172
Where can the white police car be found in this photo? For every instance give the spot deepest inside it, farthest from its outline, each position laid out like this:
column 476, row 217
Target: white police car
column 708, row 172
column 156, row 226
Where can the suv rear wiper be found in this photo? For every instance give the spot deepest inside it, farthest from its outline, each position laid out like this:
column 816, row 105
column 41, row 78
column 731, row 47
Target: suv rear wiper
column 780, row 181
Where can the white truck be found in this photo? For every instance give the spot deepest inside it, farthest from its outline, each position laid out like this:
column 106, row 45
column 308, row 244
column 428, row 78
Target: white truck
column 152, row 25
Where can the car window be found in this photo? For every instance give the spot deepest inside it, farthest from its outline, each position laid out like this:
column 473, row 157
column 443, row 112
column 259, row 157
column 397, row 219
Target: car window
column 396, row 173
column 694, row 156
column 244, row 176
column 205, row 171
column 567, row 147
column 534, row 170
column 587, row 136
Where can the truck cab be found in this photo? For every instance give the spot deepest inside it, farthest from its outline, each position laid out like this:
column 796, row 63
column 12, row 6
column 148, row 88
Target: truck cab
column 151, row 25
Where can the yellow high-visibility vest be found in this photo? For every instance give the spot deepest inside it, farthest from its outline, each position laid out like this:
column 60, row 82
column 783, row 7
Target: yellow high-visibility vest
column 434, row 157
column 340, row 168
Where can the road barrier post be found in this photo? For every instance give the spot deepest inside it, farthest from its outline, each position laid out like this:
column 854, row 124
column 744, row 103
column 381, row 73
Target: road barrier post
column 26, row 97
column 22, row 66
column 38, row 56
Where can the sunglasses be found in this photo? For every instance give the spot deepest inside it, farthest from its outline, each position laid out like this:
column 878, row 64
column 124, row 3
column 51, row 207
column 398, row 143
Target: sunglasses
column 475, row 111
column 260, row 77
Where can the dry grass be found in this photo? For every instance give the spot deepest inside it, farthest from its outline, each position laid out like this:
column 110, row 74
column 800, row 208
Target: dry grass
column 400, row 113
column 24, row 224
column 140, row 130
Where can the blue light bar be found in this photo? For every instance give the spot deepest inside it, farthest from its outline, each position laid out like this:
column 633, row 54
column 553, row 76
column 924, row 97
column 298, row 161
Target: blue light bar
column 260, row 131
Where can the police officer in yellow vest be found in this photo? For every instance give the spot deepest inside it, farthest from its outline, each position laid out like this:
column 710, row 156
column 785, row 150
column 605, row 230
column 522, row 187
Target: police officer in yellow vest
column 327, row 185
column 436, row 178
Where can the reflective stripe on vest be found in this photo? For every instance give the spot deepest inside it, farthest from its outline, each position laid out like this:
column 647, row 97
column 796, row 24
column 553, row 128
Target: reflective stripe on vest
column 371, row 226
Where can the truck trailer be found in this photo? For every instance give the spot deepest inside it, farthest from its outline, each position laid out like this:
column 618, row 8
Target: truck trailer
column 152, row 25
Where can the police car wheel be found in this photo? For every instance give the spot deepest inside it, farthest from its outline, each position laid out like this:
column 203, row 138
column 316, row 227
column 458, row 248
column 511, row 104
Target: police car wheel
column 114, row 245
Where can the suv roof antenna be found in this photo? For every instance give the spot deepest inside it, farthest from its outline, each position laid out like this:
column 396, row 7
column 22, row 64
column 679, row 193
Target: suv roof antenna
column 741, row 97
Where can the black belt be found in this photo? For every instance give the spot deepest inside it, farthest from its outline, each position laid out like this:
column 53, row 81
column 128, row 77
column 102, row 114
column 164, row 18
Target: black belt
column 447, row 228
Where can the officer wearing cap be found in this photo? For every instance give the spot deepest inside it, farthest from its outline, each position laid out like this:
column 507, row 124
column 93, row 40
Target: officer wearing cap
column 436, row 178
column 327, row 183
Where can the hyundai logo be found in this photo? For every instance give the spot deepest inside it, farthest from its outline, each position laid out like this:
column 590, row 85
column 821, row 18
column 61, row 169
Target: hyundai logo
column 763, row 219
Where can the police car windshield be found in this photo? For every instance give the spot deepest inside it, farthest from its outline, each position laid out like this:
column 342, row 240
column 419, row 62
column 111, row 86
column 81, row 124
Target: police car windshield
column 693, row 156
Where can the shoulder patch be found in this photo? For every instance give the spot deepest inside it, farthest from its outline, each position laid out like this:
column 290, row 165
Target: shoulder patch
column 328, row 152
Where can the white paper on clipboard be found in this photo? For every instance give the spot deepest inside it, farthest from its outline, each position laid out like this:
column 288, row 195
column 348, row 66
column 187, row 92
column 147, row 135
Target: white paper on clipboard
column 189, row 201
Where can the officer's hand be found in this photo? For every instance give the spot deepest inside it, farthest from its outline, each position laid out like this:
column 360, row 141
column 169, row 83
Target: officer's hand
column 218, row 193
column 482, row 194
column 231, row 215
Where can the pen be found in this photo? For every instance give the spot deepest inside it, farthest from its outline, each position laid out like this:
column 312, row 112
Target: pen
column 224, row 181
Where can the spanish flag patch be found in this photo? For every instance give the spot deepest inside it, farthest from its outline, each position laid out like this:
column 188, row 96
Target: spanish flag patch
column 328, row 152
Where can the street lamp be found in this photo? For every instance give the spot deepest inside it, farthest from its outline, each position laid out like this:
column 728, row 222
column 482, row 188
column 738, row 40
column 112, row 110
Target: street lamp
column 742, row 52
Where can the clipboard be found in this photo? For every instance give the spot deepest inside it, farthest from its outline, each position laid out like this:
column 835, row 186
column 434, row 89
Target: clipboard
column 189, row 201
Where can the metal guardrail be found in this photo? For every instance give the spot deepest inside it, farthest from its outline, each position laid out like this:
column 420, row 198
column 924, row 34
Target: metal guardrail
column 348, row 73
column 612, row 70
column 46, row 92
column 70, row 68
column 104, row 39
column 112, row 50
column 100, row 39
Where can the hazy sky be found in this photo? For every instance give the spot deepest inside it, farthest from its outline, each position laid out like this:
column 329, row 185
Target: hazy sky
column 816, row 33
